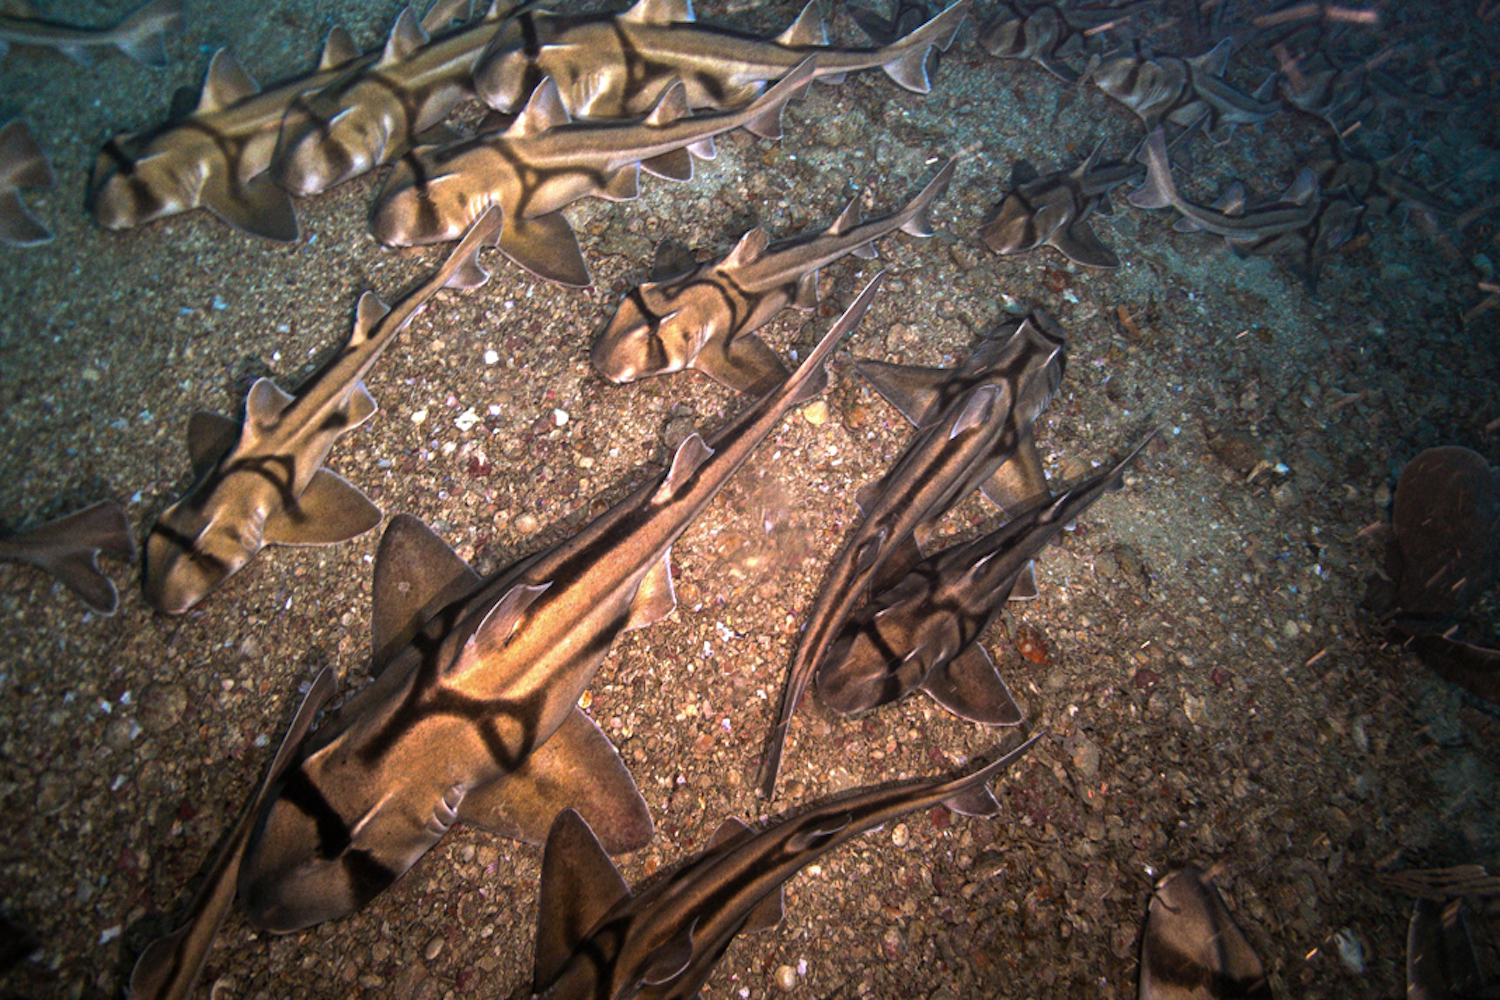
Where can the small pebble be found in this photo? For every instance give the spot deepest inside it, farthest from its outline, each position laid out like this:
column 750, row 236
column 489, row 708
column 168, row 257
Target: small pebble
column 786, row 978
column 816, row 413
column 434, row 947
column 901, row 835
column 1195, row 708
column 527, row 524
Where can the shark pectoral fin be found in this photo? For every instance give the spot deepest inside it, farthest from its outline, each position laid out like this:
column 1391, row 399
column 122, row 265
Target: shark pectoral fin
column 768, row 913
column 655, row 599
column 675, row 165
column 970, row 687
column 499, row 624
column 330, row 510
column 689, row 457
column 579, row 885
column 416, row 575
column 1079, row 243
column 576, row 768
column 669, row 960
column 1020, row 481
column 547, row 247
column 912, row 390
column 1191, row 937
column 257, row 207
column 745, row 364
column 731, row 833
column 1025, row 588
column 18, row 226
column 209, row 437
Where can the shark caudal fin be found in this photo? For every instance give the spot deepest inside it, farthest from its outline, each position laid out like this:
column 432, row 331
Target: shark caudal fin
column 908, row 62
column 22, row 165
column 69, row 549
column 763, row 117
column 917, row 217
column 142, row 35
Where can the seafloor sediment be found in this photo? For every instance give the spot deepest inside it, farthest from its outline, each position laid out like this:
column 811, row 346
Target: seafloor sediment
column 1213, row 696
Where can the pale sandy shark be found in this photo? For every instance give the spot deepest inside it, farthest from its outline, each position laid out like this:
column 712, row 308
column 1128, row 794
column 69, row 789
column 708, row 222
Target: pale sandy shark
column 169, row 967
column 618, row 65
column 974, row 425
column 376, row 112
column 69, row 549
column 1183, row 91
column 923, row 632
column 140, row 36
column 218, row 154
column 22, row 165
column 544, row 161
column 706, row 318
column 595, row 939
column 262, row 481
column 473, row 713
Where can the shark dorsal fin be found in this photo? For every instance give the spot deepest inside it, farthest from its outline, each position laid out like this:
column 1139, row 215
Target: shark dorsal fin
column 446, row 12
column 226, row 83
column 768, row 913
column 750, row 248
column 501, row 622
column 416, row 575
column 579, row 886
column 1022, row 172
column 669, row 960
column 405, row 38
column 1232, row 201
column 338, row 49
column 1216, row 60
column 367, row 314
column 544, row 110
column 731, row 833
column 670, row 106
column 808, row 29
column 209, row 437
column 659, row 12
column 655, row 598
column 690, row 456
column 1303, row 189
column 978, row 408
column 264, row 404
column 1089, row 162
column 847, row 220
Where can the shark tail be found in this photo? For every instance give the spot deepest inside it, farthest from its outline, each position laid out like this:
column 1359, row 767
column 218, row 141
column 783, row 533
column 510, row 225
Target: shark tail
column 1159, row 191
column 142, row 35
column 69, row 549
column 25, row 165
column 908, row 56
column 917, row 219
column 763, row 117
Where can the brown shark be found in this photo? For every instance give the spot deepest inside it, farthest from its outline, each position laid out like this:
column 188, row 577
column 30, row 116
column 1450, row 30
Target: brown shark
column 1054, row 210
column 595, row 939
column 619, row 65
column 1040, row 33
column 170, row 966
column 372, row 115
column 140, row 36
column 473, row 715
column 69, row 549
column 707, row 318
column 973, row 425
column 545, row 161
column 262, row 482
column 1182, row 91
column 923, row 632
column 22, row 165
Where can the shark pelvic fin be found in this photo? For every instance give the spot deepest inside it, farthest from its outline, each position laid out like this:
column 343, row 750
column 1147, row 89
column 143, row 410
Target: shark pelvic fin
column 576, row 768
column 547, row 247
column 209, row 438
column 688, row 459
column 768, row 913
column 226, row 83
column 579, row 885
column 330, row 510
column 674, row 165
column 821, row 829
column 978, row 801
column 971, row 688
column 806, row 294
column 407, row 35
column 745, row 364
column 493, row 634
column 656, row 597
column 338, row 49
column 659, row 12
column 808, row 29
column 919, row 212
column 367, row 315
column 416, row 575
column 913, row 390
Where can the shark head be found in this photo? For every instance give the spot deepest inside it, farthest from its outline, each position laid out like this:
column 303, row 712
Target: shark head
column 421, row 205
column 126, row 191
column 655, row 330
column 190, row 551
column 313, row 154
column 858, row 675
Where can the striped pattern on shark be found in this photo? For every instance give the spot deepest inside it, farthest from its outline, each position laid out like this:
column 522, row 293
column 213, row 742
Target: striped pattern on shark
column 372, row 115
column 1182, row 91
column 22, row 165
column 618, row 65
column 923, row 632
column 595, row 939
column 1040, row 33
column 140, row 36
column 169, row 967
column 1054, row 209
column 69, row 549
column 974, row 426
column 706, row 318
column 473, row 715
column 262, row 482
column 544, row 161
